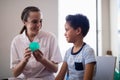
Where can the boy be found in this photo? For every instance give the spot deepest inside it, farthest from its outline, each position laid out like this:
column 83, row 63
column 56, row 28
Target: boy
column 79, row 61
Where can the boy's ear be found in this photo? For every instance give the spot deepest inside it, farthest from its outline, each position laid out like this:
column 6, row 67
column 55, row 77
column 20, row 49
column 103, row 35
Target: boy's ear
column 78, row 30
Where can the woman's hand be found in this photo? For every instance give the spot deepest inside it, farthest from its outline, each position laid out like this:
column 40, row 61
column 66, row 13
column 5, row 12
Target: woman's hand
column 27, row 54
column 50, row 65
column 18, row 69
column 38, row 55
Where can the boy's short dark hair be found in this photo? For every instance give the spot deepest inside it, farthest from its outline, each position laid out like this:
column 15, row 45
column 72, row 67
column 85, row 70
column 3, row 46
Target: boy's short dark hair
column 79, row 20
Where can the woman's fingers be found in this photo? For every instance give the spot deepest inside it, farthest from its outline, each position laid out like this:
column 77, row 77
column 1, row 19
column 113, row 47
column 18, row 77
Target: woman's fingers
column 40, row 52
column 27, row 50
column 27, row 53
column 38, row 55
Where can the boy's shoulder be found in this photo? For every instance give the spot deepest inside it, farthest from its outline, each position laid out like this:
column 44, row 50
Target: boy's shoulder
column 87, row 46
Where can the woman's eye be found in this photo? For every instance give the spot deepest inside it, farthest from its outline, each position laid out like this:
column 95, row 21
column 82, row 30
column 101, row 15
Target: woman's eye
column 40, row 21
column 34, row 21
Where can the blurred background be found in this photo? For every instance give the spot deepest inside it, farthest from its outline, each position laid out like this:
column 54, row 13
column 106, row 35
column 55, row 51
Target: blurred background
column 104, row 17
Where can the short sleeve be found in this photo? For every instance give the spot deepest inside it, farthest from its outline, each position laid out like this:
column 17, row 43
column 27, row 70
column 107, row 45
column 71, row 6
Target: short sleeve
column 67, row 54
column 54, row 50
column 14, row 58
column 89, row 56
column 65, row 57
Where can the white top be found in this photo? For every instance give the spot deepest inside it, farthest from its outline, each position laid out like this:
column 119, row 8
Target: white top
column 49, row 47
column 76, row 61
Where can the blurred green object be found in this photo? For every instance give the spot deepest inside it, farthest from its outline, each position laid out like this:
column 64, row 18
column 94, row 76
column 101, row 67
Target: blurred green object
column 34, row 46
column 116, row 75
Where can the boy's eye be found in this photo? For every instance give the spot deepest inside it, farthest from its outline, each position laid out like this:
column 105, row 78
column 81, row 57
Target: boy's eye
column 66, row 29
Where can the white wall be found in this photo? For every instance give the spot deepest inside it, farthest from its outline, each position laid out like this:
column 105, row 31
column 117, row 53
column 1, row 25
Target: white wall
column 11, row 24
column 110, row 39
column 109, row 26
column 105, row 14
column 115, row 38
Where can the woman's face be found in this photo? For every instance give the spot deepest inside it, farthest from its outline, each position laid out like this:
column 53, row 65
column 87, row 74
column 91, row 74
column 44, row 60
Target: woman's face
column 70, row 33
column 33, row 23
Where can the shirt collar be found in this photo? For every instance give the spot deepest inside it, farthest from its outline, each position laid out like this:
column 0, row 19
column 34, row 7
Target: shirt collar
column 25, row 37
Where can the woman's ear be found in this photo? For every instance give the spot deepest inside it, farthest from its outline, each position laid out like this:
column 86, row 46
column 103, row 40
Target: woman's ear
column 23, row 22
column 78, row 31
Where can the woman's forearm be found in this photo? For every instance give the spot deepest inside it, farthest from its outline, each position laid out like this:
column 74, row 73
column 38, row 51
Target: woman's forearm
column 17, row 70
column 51, row 66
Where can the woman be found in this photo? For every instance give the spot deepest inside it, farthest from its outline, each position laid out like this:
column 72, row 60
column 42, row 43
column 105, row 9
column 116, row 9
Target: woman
column 41, row 63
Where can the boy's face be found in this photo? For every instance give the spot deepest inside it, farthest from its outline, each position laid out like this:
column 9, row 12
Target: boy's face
column 70, row 33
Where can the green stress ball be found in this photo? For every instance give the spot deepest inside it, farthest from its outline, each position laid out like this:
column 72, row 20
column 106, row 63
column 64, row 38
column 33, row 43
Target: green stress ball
column 34, row 46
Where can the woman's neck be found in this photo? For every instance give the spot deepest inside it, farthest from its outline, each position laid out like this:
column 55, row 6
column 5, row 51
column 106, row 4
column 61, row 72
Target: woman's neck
column 30, row 36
